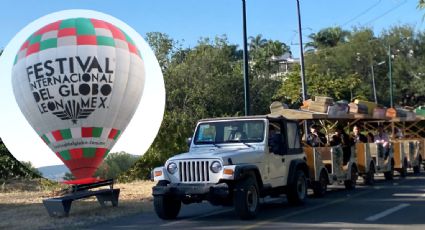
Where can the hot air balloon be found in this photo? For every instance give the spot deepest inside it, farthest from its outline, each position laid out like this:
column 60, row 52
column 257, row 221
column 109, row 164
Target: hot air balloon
column 78, row 82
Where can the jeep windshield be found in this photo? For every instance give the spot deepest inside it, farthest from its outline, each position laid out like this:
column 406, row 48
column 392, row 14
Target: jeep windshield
column 233, row 131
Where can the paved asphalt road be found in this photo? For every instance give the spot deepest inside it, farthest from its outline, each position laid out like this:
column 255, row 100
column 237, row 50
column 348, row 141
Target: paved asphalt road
column 397, row 204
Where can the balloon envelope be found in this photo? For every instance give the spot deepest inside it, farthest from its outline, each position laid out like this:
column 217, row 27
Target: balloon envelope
column 78, row 82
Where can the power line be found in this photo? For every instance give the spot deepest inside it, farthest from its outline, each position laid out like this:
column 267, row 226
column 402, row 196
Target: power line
column 362, row 13
column 386, row 12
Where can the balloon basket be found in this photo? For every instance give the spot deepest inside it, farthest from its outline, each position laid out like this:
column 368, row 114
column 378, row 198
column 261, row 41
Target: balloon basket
column 61, row 206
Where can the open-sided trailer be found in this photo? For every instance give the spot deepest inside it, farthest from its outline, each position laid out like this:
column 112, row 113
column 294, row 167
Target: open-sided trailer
column 325, row 163
column 410, row 144
column 406, row 151
column 372, row 158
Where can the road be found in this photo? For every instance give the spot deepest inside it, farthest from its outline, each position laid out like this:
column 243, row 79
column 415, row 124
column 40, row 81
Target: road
column 397, row 204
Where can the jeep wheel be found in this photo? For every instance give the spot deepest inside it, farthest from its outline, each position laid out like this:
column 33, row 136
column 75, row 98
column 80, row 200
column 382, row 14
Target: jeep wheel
column 298, row 190
column 166, row 207
column 369, row 178
column 246, row 198
column 320, row 187
column 351, row 184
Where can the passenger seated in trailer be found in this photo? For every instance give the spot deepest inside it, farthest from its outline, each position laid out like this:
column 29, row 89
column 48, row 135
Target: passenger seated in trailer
column 316, row 138
column 382, row 138
column 341, row 138
column 357, row 136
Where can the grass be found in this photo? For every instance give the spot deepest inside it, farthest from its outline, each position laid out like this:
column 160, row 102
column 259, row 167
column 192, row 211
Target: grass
column 21, row 205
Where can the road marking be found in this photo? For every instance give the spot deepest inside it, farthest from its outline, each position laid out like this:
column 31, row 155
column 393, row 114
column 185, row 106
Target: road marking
column 305, row 210
column 409, row 194
column 387, row 212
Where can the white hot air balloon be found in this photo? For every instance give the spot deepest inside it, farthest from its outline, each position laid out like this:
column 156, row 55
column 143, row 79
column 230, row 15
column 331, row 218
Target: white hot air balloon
column 78, row 82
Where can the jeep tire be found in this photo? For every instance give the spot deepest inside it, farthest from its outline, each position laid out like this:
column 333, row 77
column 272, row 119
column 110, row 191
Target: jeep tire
column 246, row 198
column 166, row 207
column 297, row 191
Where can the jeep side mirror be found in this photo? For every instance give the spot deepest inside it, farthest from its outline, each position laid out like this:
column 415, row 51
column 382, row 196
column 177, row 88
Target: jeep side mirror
column 189, row 141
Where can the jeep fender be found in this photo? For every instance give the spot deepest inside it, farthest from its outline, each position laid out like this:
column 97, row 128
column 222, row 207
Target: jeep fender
column 293, row 167
column 243, row 171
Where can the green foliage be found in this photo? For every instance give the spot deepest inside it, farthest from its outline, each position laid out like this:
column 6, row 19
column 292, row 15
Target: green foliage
column 10, row 168
column 115, row 164
column 68, row 176
column 28, row 165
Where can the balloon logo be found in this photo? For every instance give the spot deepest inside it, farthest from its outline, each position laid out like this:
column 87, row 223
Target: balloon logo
column 78, row 82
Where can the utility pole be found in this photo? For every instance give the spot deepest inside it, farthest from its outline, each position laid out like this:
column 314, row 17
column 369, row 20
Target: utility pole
column 373, row 84
column 245, row 61
column 303, row 85
column 390, row 76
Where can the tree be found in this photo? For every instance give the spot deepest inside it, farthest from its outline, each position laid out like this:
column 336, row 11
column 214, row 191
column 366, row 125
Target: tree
column 115, row 164
column 327, row 37
column 11, row 168
column 162, row 46
column 256, row 42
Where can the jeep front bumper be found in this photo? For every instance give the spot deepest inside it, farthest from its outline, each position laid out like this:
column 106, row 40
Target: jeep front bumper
column 183, row 191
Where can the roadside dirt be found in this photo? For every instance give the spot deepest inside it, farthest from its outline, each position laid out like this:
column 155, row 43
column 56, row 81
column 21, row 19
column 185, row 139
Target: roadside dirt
column 21, row 206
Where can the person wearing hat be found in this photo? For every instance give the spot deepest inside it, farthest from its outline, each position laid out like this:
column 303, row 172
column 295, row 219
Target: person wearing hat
column 316, row 138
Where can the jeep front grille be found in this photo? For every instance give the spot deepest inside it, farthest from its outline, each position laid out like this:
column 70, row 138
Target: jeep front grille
column 194, row 171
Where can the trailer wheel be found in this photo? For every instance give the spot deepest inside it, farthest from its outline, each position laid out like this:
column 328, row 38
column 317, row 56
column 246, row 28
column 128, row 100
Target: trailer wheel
column 351, row 184
column 417, row 168
column 246, row 198
column 166, row 207
column 320, row 187
column 369, row 178
column 403, row 170
column 298, row 190
column 390, row 174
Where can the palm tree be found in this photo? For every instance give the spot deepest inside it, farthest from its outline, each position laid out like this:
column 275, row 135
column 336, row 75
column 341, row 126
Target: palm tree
column 328, row 37
column 256, row 42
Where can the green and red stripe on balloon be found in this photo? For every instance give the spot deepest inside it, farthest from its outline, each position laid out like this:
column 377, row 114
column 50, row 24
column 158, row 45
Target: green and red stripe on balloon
column 83, row 132
column 83, row 161
column 77, row 31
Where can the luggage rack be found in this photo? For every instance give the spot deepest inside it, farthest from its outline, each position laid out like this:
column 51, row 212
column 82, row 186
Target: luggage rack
column 61, row 206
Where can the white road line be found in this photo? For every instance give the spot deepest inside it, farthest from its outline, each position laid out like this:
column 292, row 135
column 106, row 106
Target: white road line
column 387, row 212
column 409, row 194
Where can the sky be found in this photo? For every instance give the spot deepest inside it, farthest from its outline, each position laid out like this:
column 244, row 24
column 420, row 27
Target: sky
column 187, row 21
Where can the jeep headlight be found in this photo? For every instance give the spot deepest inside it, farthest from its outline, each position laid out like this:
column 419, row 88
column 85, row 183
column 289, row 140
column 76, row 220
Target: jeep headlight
column 172, row 168
column 215, row 167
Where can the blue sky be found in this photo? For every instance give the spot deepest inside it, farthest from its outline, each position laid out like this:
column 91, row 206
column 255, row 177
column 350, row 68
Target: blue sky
column 189, row 20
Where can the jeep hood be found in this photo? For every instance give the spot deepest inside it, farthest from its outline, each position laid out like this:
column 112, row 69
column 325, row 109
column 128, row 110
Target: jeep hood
column 237, row 155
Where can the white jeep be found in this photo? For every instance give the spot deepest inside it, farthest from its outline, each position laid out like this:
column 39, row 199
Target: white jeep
column 234, row 161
